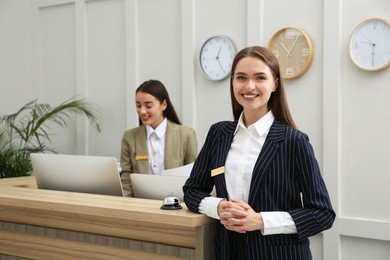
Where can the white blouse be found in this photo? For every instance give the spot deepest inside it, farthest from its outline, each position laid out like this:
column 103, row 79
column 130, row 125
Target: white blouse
column 156, row 146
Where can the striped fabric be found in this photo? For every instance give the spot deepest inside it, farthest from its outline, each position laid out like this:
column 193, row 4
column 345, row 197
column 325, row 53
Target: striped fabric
column 285, row 175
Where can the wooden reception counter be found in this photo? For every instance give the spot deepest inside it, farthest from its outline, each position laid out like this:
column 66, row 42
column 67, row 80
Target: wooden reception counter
column 45, row 224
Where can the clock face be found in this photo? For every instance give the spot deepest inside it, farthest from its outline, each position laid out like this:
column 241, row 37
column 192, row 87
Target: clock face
column 216, row 57
column 294, row 51
column 369, row 45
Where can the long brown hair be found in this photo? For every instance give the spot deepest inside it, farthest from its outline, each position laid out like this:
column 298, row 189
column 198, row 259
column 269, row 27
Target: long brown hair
column 157, row 89
column 278, row 101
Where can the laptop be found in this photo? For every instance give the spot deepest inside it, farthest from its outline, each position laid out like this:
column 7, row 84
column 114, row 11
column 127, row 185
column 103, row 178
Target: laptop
column 169, row 183
column 77, row 173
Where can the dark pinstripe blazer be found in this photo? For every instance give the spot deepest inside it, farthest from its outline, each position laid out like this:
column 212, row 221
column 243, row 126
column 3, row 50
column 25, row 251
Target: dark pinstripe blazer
column 285, row 169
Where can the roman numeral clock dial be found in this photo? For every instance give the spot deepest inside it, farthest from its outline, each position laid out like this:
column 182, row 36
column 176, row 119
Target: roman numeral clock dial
column 294, row 50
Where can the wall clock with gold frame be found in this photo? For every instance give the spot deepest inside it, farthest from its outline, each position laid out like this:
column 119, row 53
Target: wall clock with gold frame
column 293, row 48
column 369, row 45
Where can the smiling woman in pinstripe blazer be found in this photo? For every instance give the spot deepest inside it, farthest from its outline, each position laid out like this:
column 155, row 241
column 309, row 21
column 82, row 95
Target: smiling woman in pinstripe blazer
column 270, row 195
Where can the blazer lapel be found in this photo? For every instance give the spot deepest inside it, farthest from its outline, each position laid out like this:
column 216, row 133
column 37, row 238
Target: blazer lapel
column 266, row 156
column 220, row 152
column 141, row 148
column 172, row 145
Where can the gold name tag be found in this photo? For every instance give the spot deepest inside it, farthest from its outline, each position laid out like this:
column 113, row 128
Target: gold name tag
column 141, row 157
column 217, row 171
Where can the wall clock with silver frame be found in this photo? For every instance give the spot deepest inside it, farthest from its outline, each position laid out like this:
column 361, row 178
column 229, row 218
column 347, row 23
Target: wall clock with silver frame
column 216, row 57
column 369, row 45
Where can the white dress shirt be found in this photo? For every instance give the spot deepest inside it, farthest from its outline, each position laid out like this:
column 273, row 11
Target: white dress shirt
column 245, row 148
column 156, row 146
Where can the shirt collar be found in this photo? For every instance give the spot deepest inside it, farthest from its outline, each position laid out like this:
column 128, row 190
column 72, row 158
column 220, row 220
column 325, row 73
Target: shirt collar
column 262, row 125
column 160, row 129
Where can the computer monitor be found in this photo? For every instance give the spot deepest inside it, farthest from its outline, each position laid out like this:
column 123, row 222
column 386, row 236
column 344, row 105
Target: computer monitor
column 77, row 173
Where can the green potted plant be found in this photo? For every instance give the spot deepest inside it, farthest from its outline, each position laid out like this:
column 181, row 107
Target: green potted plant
column 27, row 131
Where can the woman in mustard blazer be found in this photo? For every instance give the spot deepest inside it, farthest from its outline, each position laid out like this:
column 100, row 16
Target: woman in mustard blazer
column 160, row 142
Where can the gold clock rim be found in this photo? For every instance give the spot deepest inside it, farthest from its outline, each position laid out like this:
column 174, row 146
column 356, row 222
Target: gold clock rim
column 200, row 54
column 309, row 44
column 387, row 65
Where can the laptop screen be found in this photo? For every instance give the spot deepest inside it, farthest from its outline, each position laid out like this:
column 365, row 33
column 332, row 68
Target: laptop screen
column 157, row 187
column 77, row 173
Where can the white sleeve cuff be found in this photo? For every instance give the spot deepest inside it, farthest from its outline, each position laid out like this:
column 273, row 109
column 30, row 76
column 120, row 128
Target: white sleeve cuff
column 278, row 222
column 209, row 207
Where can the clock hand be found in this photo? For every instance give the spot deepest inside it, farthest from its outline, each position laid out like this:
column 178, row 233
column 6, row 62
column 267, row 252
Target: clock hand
column 285, row 48
column 367, row 43
column 373, row 50
column 220, row 65
column 219, row 51
column 365, row 37
column 372, row 55
column 296, row 39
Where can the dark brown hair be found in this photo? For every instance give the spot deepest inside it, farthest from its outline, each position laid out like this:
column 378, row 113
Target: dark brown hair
column 158, row 90
column 278, row 101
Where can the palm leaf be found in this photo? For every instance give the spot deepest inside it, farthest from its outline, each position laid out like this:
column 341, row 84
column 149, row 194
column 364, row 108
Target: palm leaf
column 27, row 131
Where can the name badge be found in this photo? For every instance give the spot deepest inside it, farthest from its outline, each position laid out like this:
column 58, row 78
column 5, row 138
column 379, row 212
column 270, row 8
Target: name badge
column 217, row 171
column 141, row 157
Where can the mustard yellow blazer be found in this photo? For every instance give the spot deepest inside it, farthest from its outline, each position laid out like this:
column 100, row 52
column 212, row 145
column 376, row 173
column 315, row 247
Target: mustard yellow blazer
column 181, row 148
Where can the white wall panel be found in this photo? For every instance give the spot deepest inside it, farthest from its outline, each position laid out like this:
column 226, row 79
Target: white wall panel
column 364, row 249
column 106, row 66
column 331, row 149
column 57, row 67
column 304, row 94
column 58, row 53
column 365, row 111
column 15, row 56
column 213, row 97
column 159, row 43
column 316, row 247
